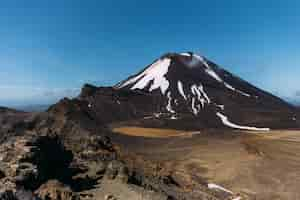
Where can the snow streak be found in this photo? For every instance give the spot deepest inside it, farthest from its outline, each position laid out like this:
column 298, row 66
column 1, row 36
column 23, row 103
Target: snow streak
column 213, row 74
column 226, row 122
column 181, row 91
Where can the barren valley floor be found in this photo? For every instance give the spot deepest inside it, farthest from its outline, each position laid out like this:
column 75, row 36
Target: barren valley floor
column 259, row 165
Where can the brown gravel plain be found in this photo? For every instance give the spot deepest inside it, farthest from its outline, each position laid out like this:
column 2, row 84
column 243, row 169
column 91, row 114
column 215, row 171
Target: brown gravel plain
column 261, row 166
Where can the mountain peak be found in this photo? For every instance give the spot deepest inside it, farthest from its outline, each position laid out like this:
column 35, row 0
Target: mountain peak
column 190, row 83
column 187, row 59
column 178, row 67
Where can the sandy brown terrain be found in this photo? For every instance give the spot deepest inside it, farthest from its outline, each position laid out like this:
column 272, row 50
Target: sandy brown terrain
column 257, row 165
column 153, row 132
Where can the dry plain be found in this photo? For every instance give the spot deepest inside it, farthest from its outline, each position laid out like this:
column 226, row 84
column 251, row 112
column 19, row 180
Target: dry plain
column 259, row 165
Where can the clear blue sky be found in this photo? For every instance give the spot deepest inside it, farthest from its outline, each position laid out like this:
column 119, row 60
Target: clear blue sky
column 48, row 49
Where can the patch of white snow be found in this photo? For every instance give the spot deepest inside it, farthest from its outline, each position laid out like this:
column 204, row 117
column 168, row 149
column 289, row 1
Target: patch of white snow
column 213, row 74
column 200, row 98
column 222, row 107
column 204, row 93
column 201, row 95
column 157, row 115
column 148, row 117
column 195, row 111
column 185, row 54
column 155, row 74
column 226, row 122
column 169, row 105
column 233, row 89
column 217, row 187
column 176, row 102
column 181, row 91
column 173, row 117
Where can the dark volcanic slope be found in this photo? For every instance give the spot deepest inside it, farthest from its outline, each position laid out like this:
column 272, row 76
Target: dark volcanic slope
column 183, row 91
column 190, row 84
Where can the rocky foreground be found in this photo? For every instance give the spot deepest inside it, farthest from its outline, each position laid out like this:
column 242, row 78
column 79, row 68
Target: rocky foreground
column 63, row 154
column 46, row 167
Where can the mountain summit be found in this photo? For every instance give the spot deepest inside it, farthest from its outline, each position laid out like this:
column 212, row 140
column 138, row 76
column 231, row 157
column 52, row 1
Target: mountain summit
column 190, row 83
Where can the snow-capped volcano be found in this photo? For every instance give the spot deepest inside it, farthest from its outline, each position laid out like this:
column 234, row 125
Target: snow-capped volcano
column 181, row 77
column 190, row 83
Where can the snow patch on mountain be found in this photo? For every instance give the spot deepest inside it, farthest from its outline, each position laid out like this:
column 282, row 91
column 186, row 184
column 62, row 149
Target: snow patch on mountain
column 194, row 109
column 155, row 74
column 173, row 117
column 200, row 93
column 169, row 105
column 214, row 75
column 222, row 107
column 181, row 91
column 236, row 90
column 199, row 99
column 208, row 69
column 226, row 122
column 185, row 54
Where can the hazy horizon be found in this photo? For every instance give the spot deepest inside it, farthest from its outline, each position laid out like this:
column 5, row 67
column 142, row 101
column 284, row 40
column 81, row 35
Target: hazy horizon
column 49, row 49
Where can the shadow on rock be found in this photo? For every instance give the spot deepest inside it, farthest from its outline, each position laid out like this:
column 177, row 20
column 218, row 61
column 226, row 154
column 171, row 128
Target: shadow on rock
column 51, row 160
